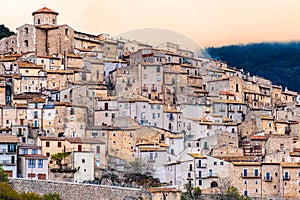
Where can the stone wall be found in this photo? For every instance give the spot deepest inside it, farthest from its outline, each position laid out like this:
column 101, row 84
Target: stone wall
column 75, row 191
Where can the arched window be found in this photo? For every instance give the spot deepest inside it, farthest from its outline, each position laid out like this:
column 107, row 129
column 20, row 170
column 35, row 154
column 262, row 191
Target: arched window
column 143, row 115
column 26, row 30
column 213, row 184
column 26, row 43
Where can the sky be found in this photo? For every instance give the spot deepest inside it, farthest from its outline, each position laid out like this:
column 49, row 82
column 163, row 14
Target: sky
column 207, row 22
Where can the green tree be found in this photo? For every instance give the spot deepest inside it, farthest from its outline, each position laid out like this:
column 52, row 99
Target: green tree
column 232, row 193
column 191, row 192
column 3, row 175
column 29, row 196
column 59, row 158
column 7, row 192
column 51, row 196
column 5, row 32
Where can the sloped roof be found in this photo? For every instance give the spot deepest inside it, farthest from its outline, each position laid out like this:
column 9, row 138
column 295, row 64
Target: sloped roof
column 44, row 10
column 9, row 139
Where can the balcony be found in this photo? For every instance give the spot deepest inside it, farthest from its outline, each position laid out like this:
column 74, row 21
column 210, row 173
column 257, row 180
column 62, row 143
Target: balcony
column 153, row 88
column 9, row 162
column 151, row 159
column 2, row 151
column 286, row 178
column 11, row 152
column 268, row 179
column 145, row 88
column 202, row 165
column 210, row 175
column 251, row 175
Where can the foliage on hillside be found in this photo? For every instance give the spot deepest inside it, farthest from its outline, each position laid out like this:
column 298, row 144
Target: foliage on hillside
column 7, row 192
column 279, row 62
column 5, row 32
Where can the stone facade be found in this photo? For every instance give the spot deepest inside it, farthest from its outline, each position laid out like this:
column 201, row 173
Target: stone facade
column 74, row 191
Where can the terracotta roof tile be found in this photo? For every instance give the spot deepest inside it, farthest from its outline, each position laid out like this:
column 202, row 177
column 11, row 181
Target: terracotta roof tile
column 44, row 10
column 9, row 139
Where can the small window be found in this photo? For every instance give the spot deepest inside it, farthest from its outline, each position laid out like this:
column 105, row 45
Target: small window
column 66, row 32
column 221, row 163
column 215, row 163
column 83, row 160
column 26, row 43
column 47, row 144
column 58, row 144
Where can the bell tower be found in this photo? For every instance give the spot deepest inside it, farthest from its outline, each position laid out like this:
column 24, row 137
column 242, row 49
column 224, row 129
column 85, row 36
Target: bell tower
column 45, row 16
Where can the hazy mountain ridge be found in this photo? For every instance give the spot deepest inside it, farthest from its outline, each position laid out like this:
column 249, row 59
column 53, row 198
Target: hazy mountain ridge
column 279, row 62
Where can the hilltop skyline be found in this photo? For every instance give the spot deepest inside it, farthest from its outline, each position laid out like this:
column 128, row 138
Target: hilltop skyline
column 208, row 23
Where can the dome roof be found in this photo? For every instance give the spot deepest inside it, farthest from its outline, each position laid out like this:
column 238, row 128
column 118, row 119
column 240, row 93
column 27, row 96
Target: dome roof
column 44, row 10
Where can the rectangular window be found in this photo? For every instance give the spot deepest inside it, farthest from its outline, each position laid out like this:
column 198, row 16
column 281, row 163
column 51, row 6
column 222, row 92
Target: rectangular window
column 58, row 144
column 200, row 182
column 255, row 172
column 245, row 172
column 24, row 151
column 34, row 151
column 153, row 115
column 31, row 163
column 158, row 69
column 40, row 163
column 11, row 148
column 47, row 144
column 158, row 78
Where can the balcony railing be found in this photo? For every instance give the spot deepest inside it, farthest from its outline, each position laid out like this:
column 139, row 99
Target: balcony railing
column 202, row 165
column 151, row 159
column 251, row 175
column 9, row 163
column 10, row 152
column 286, row 177
column 145, row 88
column 2, row 151
column 268, row 179
column 210, row 175
column 153, row 88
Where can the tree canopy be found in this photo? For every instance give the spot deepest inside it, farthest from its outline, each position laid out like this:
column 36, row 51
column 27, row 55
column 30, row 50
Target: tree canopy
column 279, row 62
column 5, row 32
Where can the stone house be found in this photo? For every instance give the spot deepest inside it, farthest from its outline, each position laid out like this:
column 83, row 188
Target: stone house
column 8, row 154
column 197, row 170
column 154, row 155
column 31, row 163
column 106, row 110
column 172, row 119
column 230, row 109
column 266, row 180
column 84, row 163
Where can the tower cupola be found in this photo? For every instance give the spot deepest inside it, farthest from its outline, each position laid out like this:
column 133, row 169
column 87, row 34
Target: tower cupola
column 45, row 16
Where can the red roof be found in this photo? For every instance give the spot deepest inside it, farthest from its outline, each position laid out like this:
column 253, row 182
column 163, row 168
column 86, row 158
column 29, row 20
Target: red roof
column 45, row 10
column 258, row 137
column 226, row 93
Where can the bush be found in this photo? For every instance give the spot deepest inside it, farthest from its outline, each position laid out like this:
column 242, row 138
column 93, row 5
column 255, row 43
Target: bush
column 30, row 196
column 3, row 175
column 7, row 192
column 52, row 196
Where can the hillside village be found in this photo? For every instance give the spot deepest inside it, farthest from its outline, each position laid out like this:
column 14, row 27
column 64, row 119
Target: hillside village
column 109, row 102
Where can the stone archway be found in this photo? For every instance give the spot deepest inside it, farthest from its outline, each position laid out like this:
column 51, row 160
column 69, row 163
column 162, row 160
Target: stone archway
column 213, row 184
